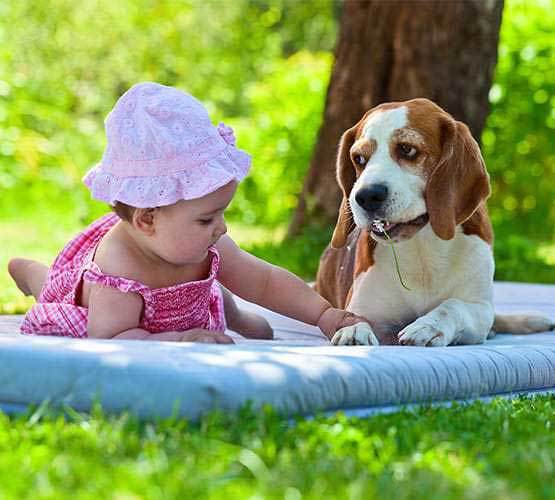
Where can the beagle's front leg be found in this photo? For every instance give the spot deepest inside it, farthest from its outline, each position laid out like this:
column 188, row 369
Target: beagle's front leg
column 358, row 334
column 452, row 322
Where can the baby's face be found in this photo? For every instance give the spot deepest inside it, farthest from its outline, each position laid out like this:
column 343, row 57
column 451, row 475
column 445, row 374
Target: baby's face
column 185, row 230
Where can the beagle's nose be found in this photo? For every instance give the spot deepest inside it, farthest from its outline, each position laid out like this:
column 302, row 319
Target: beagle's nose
column 371, row 198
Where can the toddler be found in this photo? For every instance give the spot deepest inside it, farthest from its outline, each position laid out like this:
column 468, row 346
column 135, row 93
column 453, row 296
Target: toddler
column 160, row 267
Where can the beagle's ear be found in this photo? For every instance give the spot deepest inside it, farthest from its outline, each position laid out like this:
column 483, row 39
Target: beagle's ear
column 459, row 182
column 346, row 177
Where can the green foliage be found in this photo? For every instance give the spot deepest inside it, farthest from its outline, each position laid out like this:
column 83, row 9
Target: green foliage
column 59, row 78
column 286, row 111
column 466, row 451
column 300, row 255
column 518, row 142
column 263, row 67
column 521, row 259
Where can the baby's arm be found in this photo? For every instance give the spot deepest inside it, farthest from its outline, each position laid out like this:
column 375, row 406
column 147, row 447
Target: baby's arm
column 277, row 289
column 116, row 315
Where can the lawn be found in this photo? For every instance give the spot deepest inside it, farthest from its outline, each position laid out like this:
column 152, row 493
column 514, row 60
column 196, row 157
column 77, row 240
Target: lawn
column 503, row 449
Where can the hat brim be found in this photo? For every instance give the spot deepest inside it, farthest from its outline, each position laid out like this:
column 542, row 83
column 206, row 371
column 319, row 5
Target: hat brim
column 229, row 165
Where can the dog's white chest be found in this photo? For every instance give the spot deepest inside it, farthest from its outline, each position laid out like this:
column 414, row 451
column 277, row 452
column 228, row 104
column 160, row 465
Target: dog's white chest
column 433, row 269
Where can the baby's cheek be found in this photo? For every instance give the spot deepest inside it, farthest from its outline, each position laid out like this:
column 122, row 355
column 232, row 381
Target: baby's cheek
column 193, row 244
column 186, row 244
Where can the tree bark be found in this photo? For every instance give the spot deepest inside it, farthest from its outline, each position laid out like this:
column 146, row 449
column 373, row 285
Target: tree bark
column 390, row 50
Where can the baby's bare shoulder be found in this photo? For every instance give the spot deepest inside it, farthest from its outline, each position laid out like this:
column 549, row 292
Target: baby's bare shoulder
column 115, row 256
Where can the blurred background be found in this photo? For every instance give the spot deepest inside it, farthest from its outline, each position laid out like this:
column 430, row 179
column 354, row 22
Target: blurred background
column 263, row 67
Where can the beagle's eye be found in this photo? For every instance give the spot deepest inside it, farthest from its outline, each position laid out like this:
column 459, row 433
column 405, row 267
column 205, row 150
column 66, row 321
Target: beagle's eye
column 407, row 151
column 360, row 160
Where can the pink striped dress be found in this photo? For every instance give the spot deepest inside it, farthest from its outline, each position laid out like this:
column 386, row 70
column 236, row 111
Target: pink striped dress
column 196, row 304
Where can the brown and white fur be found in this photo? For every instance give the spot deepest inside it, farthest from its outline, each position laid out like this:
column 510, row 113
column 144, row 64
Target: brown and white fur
column 412, row 165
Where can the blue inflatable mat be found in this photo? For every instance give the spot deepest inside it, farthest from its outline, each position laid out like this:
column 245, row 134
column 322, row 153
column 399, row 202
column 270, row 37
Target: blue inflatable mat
column 297, row 373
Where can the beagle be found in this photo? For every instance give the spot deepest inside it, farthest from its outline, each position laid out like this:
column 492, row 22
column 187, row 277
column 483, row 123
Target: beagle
column 413, row 178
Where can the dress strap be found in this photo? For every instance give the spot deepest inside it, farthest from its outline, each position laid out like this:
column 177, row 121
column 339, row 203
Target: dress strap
column 93, row 274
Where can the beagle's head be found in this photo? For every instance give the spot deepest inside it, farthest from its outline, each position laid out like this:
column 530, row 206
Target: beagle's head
column 404, row 165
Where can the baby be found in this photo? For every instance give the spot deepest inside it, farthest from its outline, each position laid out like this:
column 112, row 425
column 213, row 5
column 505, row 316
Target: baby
column 160, row 267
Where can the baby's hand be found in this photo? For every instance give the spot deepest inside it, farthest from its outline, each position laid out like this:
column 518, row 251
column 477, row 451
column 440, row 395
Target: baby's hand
column 346, row 328
column 205, row 336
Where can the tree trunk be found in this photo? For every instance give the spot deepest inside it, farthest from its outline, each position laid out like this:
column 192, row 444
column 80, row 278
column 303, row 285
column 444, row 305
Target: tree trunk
column 397, row 50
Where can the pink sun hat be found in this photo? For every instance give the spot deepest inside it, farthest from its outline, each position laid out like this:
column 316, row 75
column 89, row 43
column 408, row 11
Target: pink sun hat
column 162, row 148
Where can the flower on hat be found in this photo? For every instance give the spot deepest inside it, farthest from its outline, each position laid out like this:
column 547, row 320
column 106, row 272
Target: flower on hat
column 226, row 133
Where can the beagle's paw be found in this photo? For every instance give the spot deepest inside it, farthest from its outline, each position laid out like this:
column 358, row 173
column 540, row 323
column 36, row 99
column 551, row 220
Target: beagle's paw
column 359, row 334
column 423, row 334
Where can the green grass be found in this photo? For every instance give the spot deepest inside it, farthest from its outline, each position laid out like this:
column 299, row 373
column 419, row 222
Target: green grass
column 504, row 449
